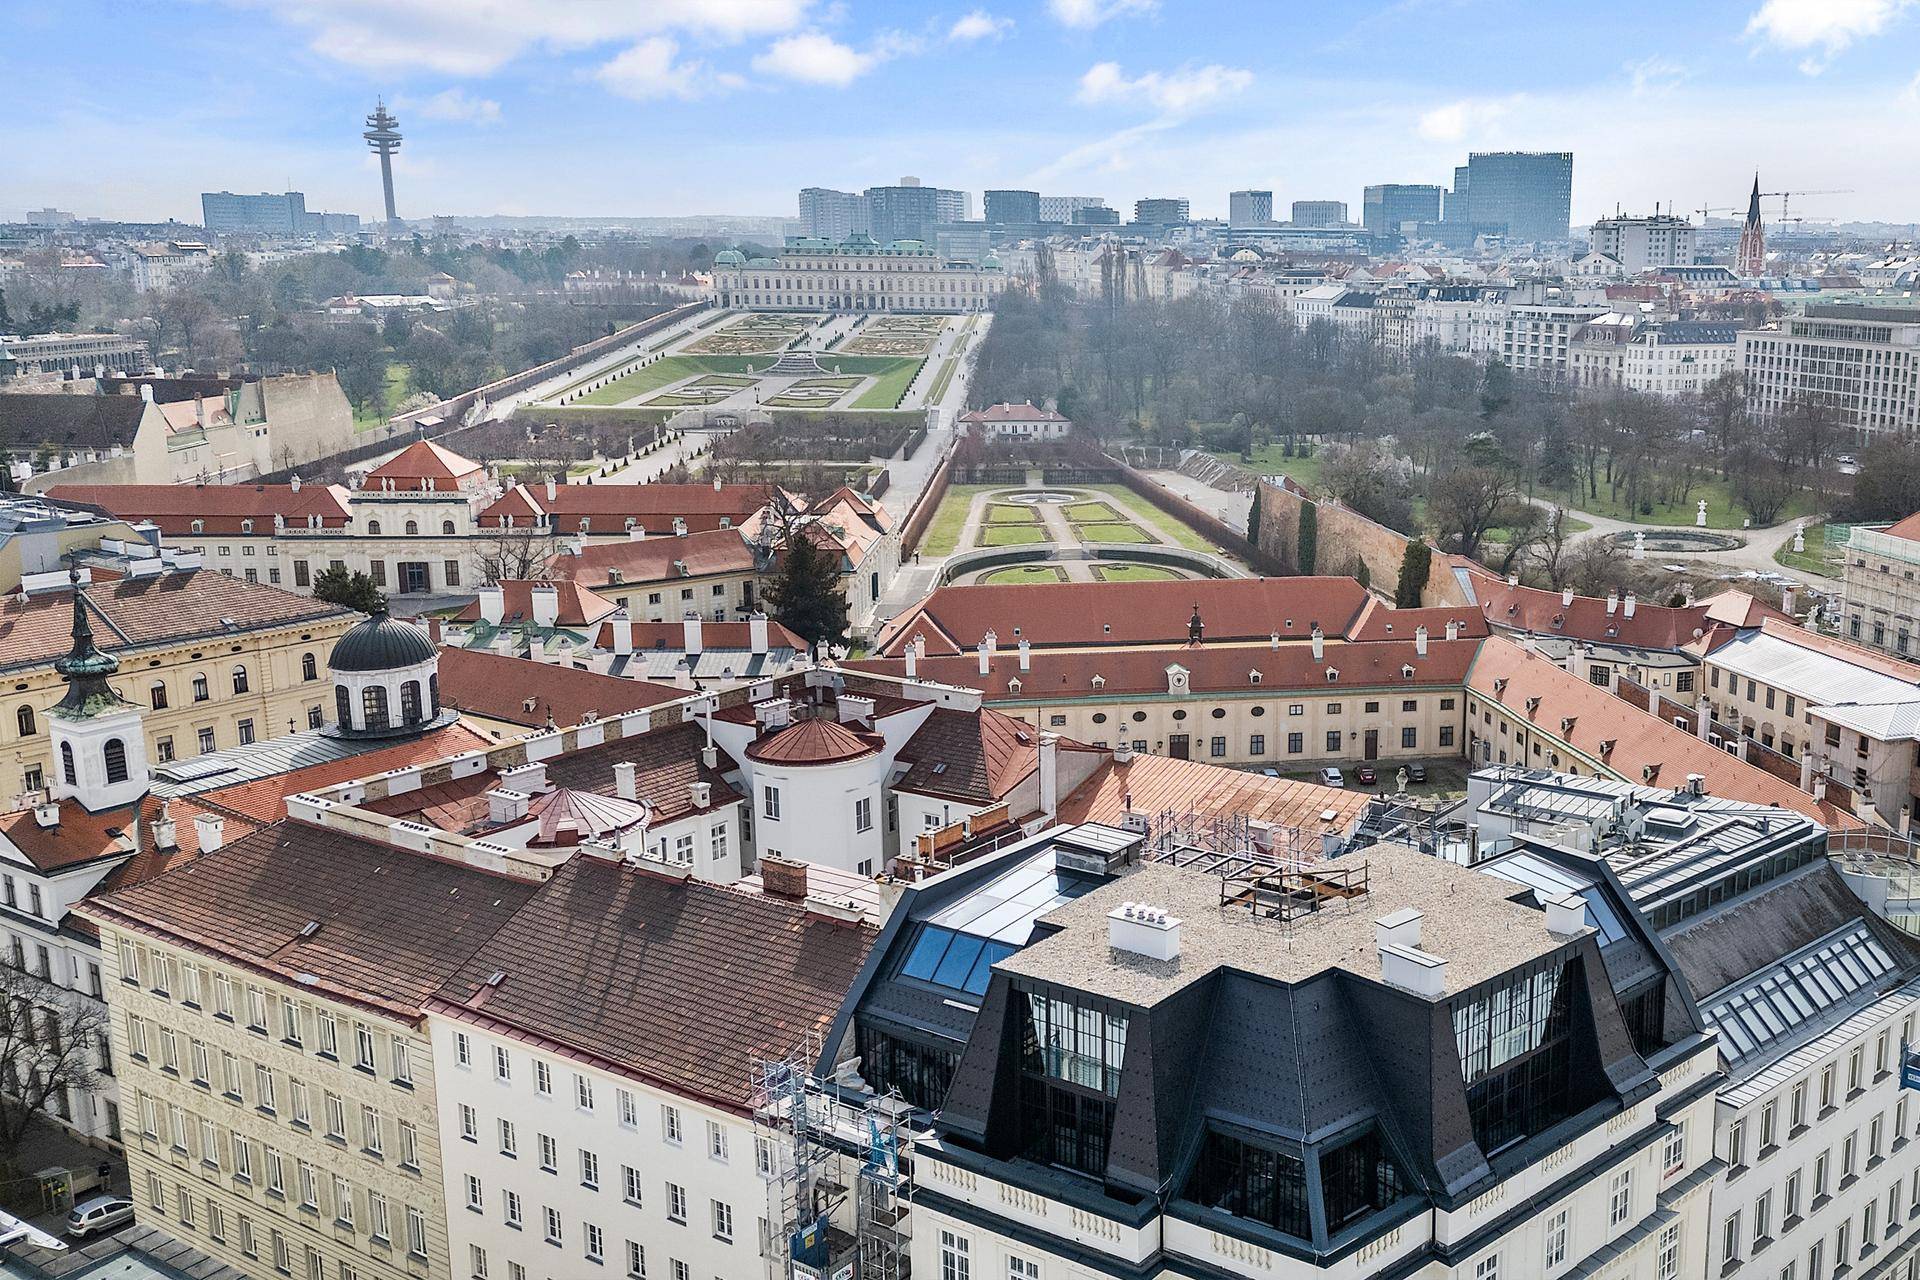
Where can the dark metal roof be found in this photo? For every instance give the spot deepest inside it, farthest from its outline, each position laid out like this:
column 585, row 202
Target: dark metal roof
column 381, row 643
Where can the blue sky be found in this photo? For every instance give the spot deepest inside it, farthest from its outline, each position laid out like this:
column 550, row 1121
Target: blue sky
column 129, row 108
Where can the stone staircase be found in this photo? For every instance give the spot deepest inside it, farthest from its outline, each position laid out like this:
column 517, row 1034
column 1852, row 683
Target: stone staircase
column 795, row 364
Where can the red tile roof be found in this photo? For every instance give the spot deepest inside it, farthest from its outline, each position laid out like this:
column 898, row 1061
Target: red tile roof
column 814, row 741
column 653, row 560
column 138, row 613
column 264, row 800
column 713, row 635
column 1155, row 784
column 1623, row 739
column 221, row 508
column 683, row 984
column 1381, row 621
column 419, row 462
column 981, row 756
column 498, row 687
column 1652, row 626
column 76, row 839
column 1908, row 528
column 653, row 506
column 577, row 605
column 953, row 619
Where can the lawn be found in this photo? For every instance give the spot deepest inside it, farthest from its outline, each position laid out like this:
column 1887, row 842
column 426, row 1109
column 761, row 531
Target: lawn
column 1093, row 513
column 1500, row 534
column 1011, row 513
column 1132, row 573
column 1011, row 535
column 888, row 387
column 943, row 531
column 1137, row 507
column 1023, row 575
column 1814, row 560
column 1269, row 461
column 1723, row 512
column 941, row 379
column 725, row 380
column 1112, row 533
column 667, row 370
column 399, row 386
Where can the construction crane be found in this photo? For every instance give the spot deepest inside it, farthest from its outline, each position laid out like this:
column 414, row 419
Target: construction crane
column 1786, row 196
column 1707, row 213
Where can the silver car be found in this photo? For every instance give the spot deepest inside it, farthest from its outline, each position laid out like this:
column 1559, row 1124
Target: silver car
column 99, row 1214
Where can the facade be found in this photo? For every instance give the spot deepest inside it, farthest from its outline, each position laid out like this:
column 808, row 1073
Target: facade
column 224, row 213
column 1161, row 211
column 910, row 211
column 157, row 266
column 1249, row 208
column 73, row 355
column 1861, row 361
column 1319, row 213
column 1066, row 208
column 858, row 274
column 1642, row 244
column 1021, row 208
column 1882, row 602
column 1530, row 193
column 1016, row 421
column 832, row 215
column 1386, row 208
column 1538, row 338
column 1666, row 358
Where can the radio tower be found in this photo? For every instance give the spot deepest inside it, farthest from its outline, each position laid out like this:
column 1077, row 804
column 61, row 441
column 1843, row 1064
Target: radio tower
column 1751, row 263
column 383, row 136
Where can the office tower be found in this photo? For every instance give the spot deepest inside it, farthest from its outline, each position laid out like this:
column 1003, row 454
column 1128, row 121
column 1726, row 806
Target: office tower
column 906, row 211
column 1319, row 213
column 383, row 138
column 223, row 213
column 832, row 215
column 1096, row 215
column 1017, row 207
column 1662, row 240
column 1063, row 208
column 1249, row 208
column 1530, row 193
column 953, row 206
column 1161, row 211
column 1388, row 206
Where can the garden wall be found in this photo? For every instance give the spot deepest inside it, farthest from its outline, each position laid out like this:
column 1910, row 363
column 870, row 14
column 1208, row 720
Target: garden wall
column 1345, row 539
column 1208, row 526
column 922, row 514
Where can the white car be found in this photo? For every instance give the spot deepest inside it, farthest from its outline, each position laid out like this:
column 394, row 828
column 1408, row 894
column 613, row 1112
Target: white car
column 98, row 1214
column 1332, row 778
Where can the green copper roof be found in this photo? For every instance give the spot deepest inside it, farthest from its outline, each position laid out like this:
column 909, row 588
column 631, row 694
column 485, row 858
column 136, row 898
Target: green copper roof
column 86, row 669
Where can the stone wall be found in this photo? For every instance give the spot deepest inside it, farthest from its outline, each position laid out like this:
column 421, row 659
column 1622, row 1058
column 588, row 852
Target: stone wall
column 1346, row 540
column 308, row 416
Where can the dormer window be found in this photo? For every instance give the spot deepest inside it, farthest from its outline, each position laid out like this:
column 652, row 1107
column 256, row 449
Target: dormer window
column 199, row 526
column 1333, row 674
column 246, row 526
column 1253, row 677
column 1099, row 682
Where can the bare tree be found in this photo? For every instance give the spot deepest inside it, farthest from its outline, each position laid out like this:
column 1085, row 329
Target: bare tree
column 1548, row 551
column 50, row 1048
column 517, row 553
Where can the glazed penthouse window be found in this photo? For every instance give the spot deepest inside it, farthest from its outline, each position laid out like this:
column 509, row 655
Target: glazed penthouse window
column 1514, row 1054
column 1070, row 1061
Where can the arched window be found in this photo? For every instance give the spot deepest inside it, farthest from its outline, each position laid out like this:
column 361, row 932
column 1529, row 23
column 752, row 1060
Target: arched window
column 373, row 526
column 343, row 706
column 373, row 707
column 410, row 702
column 239, row 679
column 157, row 695
column 115, row 756
column 24, row 718
column 309, row 669
column 433, row 694
column 66, row 765
column 446, row 527
column 413, row 528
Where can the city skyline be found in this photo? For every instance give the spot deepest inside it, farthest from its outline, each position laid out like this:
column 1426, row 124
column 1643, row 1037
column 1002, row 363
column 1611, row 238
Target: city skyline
column 730, row 106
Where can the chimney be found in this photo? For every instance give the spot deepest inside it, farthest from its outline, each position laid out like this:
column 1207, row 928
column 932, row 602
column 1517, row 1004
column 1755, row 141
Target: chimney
column 679, row 526
column 986, row 658
column 1513, row 579
column 1786, row 601
column 553, row 490
column 199, row 408
column 992, row 641
column 1401, row 929
column 1566, row 916
column 757, row 632
column 1697, row 784
column 1412, row 969
column 773, row 713
column 47, row 813
column 166, row 836
column 690, row 633
column 434, row 631
column 1050, row 774
column 783, row 878
column 623, row 781
column 293, row 483
column 493, row 604
column 504, row 805
column 700, row 794
column 1626, row 608
column 854, row 708
column 210, row 828
column 537, row 649
column 622, row 635
column 710, row 756
column 1566, row 597
column 146, row 392
column 1613, row 600
column 913, row 662
column 1453, row 628
column 716, row 484
column 1026, row 662
column 1143, row 930
column 1420, row 641
column 528, row 779
column 1319, row 643
column 637, row 534
column 546, row 604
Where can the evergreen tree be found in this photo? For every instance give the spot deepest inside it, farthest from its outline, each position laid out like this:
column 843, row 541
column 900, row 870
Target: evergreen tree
column 1362, row 573
column 1309, row 545
column 805, row 595
column 1253, row 517
column 350, row 589
column 1414, row 567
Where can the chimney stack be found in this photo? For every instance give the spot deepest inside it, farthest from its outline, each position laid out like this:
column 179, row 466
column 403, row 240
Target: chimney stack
column 166, row 836
column 1026, row 662
column 1613, row 600
column 1050, row 774
column 1453, row 628
column 623, row 780
column 293, row 483
column 1566, row 597
column 622, row 633
column 986, row 658
column 913, row 662
column 757, row 632
column 546, row 604
column 1144, row 930
column 1786, row 601
column 1420, row 641
column 553, row 490
column 1626, row 608
column 1319, row 643
column 783, row 878
column 1566, row 916
column 493, row 604
column 690, row 633
column 210, row 829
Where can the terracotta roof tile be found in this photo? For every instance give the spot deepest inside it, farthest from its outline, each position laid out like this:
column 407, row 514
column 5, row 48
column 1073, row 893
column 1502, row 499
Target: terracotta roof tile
column 221, row 508
column 421, row 461
column 1155, row 784
column 655, row 560
column 653, row 506
column 814, row 741
column 264, row 800
column 497, row 687
column 576, row 605
column 1652, row 626
column 981, row 756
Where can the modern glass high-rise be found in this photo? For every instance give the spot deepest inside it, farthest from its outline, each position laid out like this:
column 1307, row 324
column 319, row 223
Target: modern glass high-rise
column 906, row 211
column 284, row 214
column 1249, row 208
column 1161, row 211
column 1319, row 213
column 1019, row 208
column 832, row 215
column 1388, row 206
column 1529, row 192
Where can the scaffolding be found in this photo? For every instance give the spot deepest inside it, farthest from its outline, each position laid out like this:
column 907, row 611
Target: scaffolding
column 836, row 1158
column 1223, row 843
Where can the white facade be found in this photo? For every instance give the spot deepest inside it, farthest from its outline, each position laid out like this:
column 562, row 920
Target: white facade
column 1638, row 244
column 1538, row 337
column 558, row 1168
column 855, row 275
column 1863, row 362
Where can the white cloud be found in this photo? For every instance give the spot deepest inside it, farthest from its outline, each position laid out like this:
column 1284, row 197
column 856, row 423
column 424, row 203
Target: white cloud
column 979, row 25
column 1088, row 14
column 1827, row 26
column 813, row 57
column 1190, row 88
column 1655, row 73
column 452, row 104
column 650, row 69
column 1454, row 121
column 478, row 37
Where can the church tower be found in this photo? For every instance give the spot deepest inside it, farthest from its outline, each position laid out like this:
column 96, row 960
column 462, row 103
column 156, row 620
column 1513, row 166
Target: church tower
column 99, row 747
column 1751, row 263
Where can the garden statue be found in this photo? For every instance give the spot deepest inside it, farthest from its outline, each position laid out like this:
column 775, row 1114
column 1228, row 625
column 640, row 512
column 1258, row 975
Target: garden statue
column 1700, row 516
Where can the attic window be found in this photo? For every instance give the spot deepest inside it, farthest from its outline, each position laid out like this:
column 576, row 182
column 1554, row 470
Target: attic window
column 1013, row 685
column 495, row 978
column 1566, row 725
column 1406, row 671
column 1253, row 677
column 1533, row 704
column 1099, row 682
column 939, row 768
column 1389, row 628
column 1559, row 620
column 1333, row 673
column 1107, row 628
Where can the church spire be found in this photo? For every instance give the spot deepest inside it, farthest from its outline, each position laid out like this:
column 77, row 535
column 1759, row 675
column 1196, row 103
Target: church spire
column 1751, row 261
column 85, row 667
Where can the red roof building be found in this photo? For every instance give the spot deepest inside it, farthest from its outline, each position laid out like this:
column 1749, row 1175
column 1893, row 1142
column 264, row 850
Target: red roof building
column 230, row 509
column 424, row 467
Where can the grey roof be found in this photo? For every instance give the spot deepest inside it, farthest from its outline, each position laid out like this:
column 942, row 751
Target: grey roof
column 1807, row 987
column 271, row 757
column 709, row 664
column 78, row 422
column 136, row 1253
column 381, row 643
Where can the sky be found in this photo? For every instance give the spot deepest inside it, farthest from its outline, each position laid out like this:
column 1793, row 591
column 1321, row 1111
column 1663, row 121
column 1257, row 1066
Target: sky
column 130, row 108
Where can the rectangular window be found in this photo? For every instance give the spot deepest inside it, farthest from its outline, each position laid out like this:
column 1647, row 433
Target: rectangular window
column 370, row 1129
column 596, row 1242
column 1557, row 1239
column 636, row 1261
column 582, row 1092
column 589, row 1170
column 509, row 1139
column 1257, row 744
column 416, row 1232
column 770, row 804
column 670, row 1124
column 542, row 1078
column 1666, row 1263
column 502, row 1064
column 630, row 1183
column 676, row 1203
column 723, row 1222
column 549, row 1154
column 1620, row 1198
column 863, row 814
column 716, row 1140
column 510, row 1208
column 954, row 1261
column 551, row 1217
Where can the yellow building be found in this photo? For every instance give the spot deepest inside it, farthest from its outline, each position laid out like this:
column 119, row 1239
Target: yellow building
column 212, row 661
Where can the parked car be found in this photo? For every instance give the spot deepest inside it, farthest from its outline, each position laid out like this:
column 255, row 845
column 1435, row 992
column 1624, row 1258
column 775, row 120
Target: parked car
column 1416, row 773
column 1270, row 772
column 99, row 1214
column 1331, row 778
column 1365, row 775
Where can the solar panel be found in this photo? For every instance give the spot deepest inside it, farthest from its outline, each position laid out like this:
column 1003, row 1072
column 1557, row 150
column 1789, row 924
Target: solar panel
column 1819, row 979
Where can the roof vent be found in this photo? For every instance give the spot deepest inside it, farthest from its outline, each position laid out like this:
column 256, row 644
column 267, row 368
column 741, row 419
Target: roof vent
column 1143, row 930
column 1401, row 928
column 1566, row 916
column 310, row 928
column 1412, row 969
